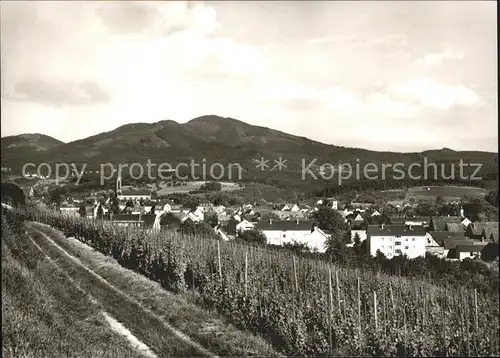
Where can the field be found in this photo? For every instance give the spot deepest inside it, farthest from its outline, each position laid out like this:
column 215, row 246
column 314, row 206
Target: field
column 166, row 188
column 302, row 306
column 448, row 192
column 61, row 298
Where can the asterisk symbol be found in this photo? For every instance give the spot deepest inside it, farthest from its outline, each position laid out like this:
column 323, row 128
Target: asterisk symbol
column 262, row 164
column 280, row 164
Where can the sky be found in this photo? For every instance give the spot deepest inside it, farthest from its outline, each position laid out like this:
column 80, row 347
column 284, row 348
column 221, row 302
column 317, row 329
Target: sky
column 389, row 76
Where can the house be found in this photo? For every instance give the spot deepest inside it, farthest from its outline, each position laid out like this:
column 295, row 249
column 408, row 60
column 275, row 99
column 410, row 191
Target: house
column 333, row 204
column 455, row 227
column 358, row 227
column 397, row 220
column 466, row 222
column 375, row 213
column 438, row 223
column 279, row 232
column 483, row 230
column 316, row 240
column 134, row 195
column 244, row 225
column 420, row 221
column 286, row 207
column 291, row 215
column 437, row 238
column 468, row 251
column 219, row 209
column 70, row 210
column 295, row 208
column 205, row 204
column 136, row 220
column 395, row 240
column 461, row 248
column 196, row 216
column 346, row 212
column 224, row 236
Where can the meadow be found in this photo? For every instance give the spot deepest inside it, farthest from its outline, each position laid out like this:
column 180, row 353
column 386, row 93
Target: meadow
column 303, row 306
column 166, row 188
column 448, row 192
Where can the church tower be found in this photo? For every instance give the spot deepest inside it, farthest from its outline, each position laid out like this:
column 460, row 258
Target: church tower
column 119, row 184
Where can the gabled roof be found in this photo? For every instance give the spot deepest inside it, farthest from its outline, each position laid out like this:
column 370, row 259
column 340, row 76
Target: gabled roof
column 424, row 219
column 439, row 222
column 359, row 218
column 135, row 192
column 470, row 248
column 452, row 243
column 395, row 230
column 455, row 227
column 489, row 226
column 441, row 236
column 491, row 235
column 397, row 220
column 282, row 225
column 126, row 217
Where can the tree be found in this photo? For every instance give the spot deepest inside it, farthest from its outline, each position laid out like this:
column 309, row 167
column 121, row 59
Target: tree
column 113, row 205
column 211, row 186
column 492, row 197
column 425, row 209
column 338, row 251
column 56, row 194
column 211, row 219
column 254, row 237
column 82, row 211
column 191, row 203
column 170, row 220
column 439, row 200
column 231, row 226
column 332, row 221
column 188, row 227
column 269, row 216
column 297, row 247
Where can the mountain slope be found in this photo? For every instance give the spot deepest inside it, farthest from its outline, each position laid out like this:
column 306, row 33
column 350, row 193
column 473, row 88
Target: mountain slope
column 226, row 140
column 36, row 141
column 20, row 148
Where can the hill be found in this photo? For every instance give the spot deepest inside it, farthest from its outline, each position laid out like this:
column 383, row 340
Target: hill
column 223, row 140
column 23, row 146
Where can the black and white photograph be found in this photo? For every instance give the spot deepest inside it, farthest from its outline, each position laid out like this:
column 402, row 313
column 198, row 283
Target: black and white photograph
column 249, row 178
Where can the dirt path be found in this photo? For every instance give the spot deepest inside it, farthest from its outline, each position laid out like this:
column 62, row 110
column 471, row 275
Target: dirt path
column 158, row 336
column 116, row 326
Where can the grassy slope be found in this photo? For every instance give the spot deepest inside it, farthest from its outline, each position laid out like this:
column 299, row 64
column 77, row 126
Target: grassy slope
column 207, row 328
column 44, row 314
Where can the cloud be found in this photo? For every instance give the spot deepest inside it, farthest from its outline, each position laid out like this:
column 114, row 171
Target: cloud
column 127, row 16
column 60, row 94
column 148, row 61
column 433, row 59
column 162, row 19
column 431, row 93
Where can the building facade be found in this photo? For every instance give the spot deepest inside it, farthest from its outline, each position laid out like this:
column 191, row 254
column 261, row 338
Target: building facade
column 396, row 240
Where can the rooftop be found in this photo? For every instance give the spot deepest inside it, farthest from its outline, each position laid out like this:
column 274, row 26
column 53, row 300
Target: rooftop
column 284, row 225
column 395, row 230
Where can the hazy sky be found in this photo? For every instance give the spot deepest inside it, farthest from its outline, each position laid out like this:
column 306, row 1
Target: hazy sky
column 386, row 75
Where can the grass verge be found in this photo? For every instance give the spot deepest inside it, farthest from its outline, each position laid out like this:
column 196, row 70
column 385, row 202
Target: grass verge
column 207, row 328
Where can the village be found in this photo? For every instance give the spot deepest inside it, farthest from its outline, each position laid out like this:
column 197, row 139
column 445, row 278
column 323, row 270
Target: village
column 452, row 237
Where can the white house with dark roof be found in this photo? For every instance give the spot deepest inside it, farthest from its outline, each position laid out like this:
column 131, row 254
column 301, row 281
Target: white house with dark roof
column 395, row 240
column 134, row 195
column 244, row 225
column 279, row 232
